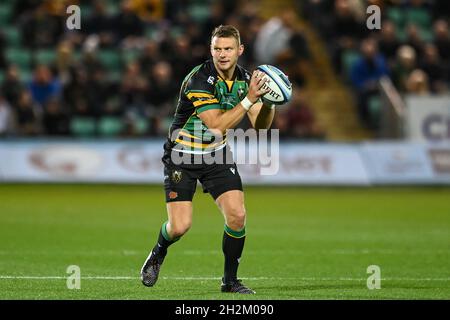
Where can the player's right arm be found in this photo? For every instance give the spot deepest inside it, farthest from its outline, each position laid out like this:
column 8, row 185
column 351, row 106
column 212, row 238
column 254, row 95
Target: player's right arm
column 219, row 121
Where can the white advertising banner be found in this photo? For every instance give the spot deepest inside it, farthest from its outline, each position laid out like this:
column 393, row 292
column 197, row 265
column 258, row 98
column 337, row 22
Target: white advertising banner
column 81, row 162
column 312, row 164
column 428, row 118
column 291, row 163
column 397, row 163
column 140, row 162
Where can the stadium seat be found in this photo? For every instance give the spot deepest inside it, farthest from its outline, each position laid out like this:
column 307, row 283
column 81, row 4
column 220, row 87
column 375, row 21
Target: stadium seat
column 374, row 106
column 6, row 11
column 166, row 123
column 110, row 59
column 130, row 55
column 348, row 59
column 199, row 12
column 110, row 126
column 114, row 76
column 45, row 56
column 82, row 126
column 12, row 35
column 112, row 8
column 150, row 32
column 397, row 16
column 19, row 56
column 418, row 17
column 141, row 126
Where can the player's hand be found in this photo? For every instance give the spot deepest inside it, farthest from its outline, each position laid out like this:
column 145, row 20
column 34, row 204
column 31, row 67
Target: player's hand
column 256, row 88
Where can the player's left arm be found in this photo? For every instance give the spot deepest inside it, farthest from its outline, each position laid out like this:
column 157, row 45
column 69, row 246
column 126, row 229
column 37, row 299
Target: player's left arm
column 261, row 115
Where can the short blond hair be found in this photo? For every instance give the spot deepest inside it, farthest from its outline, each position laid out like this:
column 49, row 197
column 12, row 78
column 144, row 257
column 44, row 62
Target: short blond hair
column 226, row 31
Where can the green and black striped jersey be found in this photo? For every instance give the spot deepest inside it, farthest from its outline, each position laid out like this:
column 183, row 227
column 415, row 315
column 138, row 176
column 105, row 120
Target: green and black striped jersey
column 203, row 89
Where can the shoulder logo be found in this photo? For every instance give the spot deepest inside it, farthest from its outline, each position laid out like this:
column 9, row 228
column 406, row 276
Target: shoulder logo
column 210, row 80
column 233, row 170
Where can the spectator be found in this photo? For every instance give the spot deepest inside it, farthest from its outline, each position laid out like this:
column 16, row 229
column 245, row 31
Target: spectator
column 162, row 94
column 163, row 89
column 5, row 116
column 2, row 50
column 417, row 83
column 414, row 39
column 64, row 60
column 301, row 122
column 274, row 37
column 280, row 122
column 12, row 86
column 388, row 42
column 149, row 56
column 405, row 64
column 75, row 90
column 44, row 85
column 150, row 11
column 181, row 60
column 133, row 89
column 100, row 23
column 128, row 27
column 365, row 73
column 343, row 31
column 27, row 115
column 442, row 39
column 42, row 30
column 102, row 95
column 436, row 70
column 55, row 120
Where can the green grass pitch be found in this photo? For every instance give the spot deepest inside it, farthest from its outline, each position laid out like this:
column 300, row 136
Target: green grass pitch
column 302, row 243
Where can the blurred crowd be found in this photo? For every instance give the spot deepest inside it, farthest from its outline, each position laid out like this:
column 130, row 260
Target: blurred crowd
column 120, row 74
column 412, row 47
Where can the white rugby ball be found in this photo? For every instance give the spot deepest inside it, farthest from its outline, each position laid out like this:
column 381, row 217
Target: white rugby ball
column 279, row 84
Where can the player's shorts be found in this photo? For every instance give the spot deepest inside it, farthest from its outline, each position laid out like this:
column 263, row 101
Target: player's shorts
column 180, row 180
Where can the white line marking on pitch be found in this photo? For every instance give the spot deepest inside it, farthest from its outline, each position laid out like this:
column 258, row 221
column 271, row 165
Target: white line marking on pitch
column 214, row 278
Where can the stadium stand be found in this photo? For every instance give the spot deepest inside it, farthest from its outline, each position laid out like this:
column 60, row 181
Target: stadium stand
column 413, row 40
column 120, row 74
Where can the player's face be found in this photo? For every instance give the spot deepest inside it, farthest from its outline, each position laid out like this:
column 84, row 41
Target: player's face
column 225, row 53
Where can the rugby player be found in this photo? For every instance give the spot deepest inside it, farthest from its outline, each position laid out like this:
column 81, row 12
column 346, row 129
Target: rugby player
column 214, row 97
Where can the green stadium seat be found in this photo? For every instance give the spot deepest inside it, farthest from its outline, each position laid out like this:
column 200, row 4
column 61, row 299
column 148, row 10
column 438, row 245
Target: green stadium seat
column 130, row 55
column 199, row 12
column 12, row 34
column 374, row 106
column 166, row 123
column 109, row 126
column 112, row 8
column 141, row 126
column 427, row 35
column 348, row 59
column 45, row 56
column 82, row 126
column 6, row 11
column 150, row 32
column 110, row 59
column 397, row 16
column 418, row 17
column 19, row 56
column 86, row 11
column 26, row 75
column 115, row 76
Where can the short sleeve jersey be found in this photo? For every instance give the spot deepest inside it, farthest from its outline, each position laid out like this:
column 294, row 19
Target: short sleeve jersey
column 203, row 89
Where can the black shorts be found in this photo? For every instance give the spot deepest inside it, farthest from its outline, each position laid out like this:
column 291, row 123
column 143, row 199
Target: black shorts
column 180, row 180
